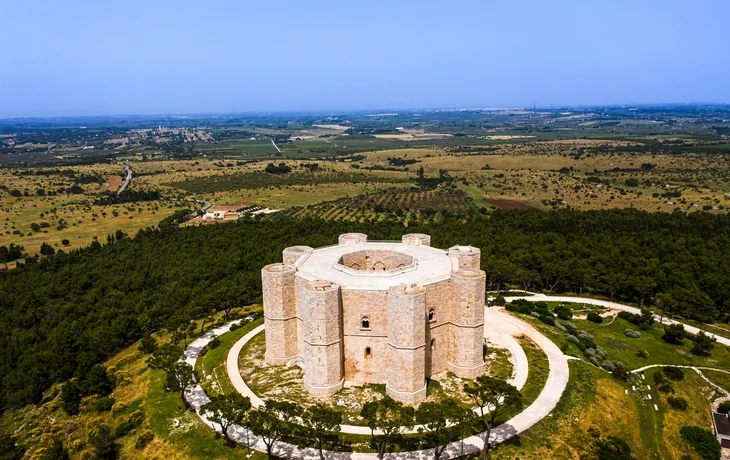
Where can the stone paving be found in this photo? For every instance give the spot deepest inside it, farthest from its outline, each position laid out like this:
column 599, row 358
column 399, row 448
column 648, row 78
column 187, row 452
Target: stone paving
column 505, row 324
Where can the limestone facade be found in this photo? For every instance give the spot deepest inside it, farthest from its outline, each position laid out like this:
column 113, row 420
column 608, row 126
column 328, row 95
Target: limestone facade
column 361, row 312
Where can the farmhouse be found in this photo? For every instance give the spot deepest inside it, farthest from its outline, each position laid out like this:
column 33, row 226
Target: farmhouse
column 363, row 311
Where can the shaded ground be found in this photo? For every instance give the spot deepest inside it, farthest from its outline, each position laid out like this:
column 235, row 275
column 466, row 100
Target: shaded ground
column 509, row 204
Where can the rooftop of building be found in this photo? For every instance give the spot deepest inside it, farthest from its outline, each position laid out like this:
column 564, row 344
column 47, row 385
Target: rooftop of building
column 414, row 263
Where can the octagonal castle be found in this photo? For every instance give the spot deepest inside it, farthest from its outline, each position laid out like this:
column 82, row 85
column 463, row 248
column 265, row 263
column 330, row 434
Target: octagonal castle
column 376, row 312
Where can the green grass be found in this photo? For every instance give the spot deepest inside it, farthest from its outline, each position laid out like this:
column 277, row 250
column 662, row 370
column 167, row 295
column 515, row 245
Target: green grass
column 193, row 437
column 214, row 361
column 721, row 379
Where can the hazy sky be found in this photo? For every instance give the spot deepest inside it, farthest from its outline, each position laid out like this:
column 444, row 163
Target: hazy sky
column 148, row 57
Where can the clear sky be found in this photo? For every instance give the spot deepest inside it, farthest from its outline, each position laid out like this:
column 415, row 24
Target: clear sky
column 103, row 57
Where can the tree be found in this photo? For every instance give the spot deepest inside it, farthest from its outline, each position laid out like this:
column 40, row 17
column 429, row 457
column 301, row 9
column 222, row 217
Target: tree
column 71, row 397
column 47, row 249
column 388, row 416
column 8, row 449
column 97, row 381
column 322, row 425
column 493, row 397
column 227, row 410
column 148, row 344
column 181, row 379
column 271, row 421
column 55, row 452
column 703, row 344
column 647, row 319
column 434, row 418
column 102, row 439
column 673, row 333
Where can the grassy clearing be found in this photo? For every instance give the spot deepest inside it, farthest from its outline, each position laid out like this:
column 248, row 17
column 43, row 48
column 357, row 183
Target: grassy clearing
column 722, row 379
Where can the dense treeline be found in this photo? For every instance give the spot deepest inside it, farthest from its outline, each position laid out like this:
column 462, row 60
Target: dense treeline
column 61, row 315
column 128, row 196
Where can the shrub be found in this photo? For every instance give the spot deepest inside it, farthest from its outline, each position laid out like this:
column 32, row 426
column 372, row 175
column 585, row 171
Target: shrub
column 134, row 420
column 594, row 361
column 677, row 403
column 601, row 353
column 234, row 326
column 632, row 334
column 702, row 441
column 613, row 448
column 608, row 365
column 589, row 352
column 65, row 242
column 673, row 373
column 148, row 344
column 659, row 377
column 724, row 407
column 561, row 328
column 524, row 309
column 104, row 404
column 549, row 320
column 620, row 373
column 500, row 301
column 583, row 335
column 642, row 353
column 563, row 312
column 673, row 333
column 214, row 343
column 143, row 439
column 536, row 314
column 71, row 397
column 595, row 318
column 703, row 344
column 666, row 388
column 573, row 339
column 630, row 317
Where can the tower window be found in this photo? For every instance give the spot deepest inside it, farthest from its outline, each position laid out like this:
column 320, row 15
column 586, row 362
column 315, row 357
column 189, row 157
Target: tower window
column 433, row 342
column 365, row 323
column 431, row 314
column 367, row 352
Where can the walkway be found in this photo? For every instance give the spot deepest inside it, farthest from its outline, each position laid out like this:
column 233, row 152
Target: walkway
column 616, row 306
column 541, row 407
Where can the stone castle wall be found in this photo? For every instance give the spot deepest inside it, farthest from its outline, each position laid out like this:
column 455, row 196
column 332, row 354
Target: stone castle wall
column 413, row 331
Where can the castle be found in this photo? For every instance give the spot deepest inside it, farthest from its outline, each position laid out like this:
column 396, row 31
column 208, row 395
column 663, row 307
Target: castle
column 376, row 312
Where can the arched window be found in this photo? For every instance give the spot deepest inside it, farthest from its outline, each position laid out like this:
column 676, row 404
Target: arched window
column 433, row 343
column 431, row 314
column 365, row 322
column 367, row 352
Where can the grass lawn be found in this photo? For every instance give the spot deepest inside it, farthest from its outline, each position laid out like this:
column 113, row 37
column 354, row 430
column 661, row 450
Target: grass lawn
column 211, row 367
column 722, row 379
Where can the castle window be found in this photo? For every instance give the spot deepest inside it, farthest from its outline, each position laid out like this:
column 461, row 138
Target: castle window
column 433, row 343
column 367, row 352
column 431, row 315
column 365, row 323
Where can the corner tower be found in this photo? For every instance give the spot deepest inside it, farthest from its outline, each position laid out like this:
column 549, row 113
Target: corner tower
column 280, row 313
column 407, row 343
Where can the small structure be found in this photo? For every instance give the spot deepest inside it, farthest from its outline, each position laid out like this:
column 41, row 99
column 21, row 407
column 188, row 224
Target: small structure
column 376, row 312
column 722, row 428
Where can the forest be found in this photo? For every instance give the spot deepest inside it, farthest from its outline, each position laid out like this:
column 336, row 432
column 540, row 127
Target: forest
column 83, row 306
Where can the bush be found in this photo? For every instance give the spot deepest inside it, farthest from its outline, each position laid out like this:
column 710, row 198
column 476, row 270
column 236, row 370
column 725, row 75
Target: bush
column 536, row 314
column 620, row 373
column 601, row 352
column 148, row 344
column 673, row 333
column 702, row 441
column 589, row 352
column 673, row 373
column 659, row 377
column 677, row 403
column 548, row 319
column 234, row 326
column 500, row 301
column 724, row 407
column 642, row 353
column 561, row 328
column 572, row 328
column 104, row 404
column 214, row 343
column 524, row 309
column 134, row 420
column 143, row 439
column 608, row 365
column 630, row 317
column 563, row 312
column 632, row 334
column 703, row 344
column 666, row 388
column 594, row 361
column 595, row 318
column 613, row 448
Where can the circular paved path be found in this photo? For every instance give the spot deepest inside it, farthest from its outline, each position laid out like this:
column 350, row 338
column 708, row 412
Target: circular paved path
column 616, row 306
column 506, row 325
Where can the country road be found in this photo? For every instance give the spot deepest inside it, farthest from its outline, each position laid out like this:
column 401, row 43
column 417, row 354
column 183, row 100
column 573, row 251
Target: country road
column 127, row 180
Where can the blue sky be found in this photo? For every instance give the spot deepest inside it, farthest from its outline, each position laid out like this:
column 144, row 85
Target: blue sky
column 132, row 57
